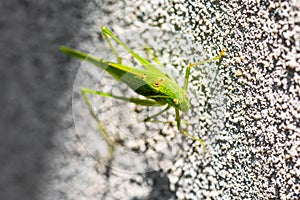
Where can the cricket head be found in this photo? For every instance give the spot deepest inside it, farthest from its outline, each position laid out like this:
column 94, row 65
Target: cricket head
column 182, row 103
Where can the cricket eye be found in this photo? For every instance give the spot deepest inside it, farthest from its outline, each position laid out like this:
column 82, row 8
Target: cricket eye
column 175, row 101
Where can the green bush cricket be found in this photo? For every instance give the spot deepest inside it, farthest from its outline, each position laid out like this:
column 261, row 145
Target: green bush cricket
column 159, row 88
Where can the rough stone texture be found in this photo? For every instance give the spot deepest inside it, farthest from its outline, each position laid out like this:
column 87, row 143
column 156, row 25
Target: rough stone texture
column 247, row 109
column 257, row 154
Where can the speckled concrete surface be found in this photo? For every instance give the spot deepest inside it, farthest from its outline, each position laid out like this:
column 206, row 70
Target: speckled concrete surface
column 246, row 110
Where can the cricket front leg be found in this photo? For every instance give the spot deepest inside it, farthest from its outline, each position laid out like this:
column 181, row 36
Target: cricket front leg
column 188, row 69
column 178, row 120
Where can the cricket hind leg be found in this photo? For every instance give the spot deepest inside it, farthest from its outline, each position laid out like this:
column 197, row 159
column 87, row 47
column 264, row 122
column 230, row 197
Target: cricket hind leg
column 186, row 133
column 144, row 62
column 118, row 57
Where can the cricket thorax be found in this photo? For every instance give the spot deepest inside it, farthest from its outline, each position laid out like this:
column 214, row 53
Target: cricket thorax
column 174, row 95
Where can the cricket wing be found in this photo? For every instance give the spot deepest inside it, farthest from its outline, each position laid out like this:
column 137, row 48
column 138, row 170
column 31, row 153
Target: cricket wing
column 114, row 69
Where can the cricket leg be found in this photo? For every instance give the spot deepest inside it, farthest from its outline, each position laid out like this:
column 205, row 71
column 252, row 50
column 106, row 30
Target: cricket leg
column 107, row 33
column 148, row 49
column 101, row 128
column 119, row 58
column 148, row 119
column 188, row 69
column 143, row 102
column 178, row 120
column 146, row 64
column 85, row 91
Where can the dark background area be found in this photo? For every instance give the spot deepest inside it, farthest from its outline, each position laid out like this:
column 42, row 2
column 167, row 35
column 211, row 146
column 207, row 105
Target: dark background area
column 34, row 79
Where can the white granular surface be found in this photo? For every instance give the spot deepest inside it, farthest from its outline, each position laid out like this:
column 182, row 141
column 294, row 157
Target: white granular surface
column 247, row 109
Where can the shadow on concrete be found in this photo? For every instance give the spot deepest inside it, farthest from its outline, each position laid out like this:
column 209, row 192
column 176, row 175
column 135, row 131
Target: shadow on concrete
column 33, row 79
